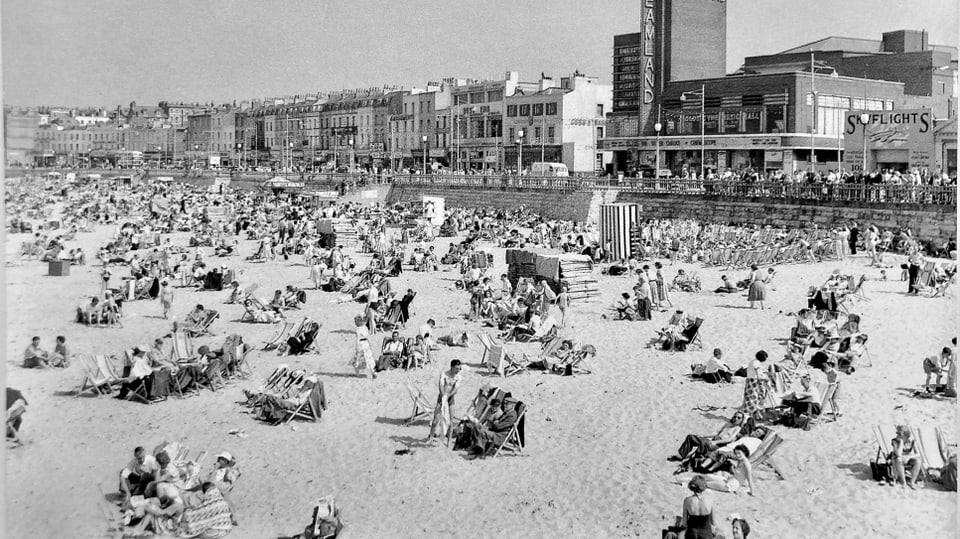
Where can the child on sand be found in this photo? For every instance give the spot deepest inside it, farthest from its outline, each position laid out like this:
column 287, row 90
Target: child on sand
column 166, row 297
column 563, row 301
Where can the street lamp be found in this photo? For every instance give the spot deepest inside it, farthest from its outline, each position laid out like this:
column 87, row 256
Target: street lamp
column 196, row 154
column 864, row 119
column 159, row 155
column 657, row 127
column 519, row 151
column 703, row 99
column 290, row 158
column 239, row 149
column 424, row 140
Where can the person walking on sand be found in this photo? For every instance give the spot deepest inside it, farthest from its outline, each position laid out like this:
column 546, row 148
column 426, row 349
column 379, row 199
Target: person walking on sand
column 166, row 297
column 447, row 384
column 363, row 356
column 563, row 303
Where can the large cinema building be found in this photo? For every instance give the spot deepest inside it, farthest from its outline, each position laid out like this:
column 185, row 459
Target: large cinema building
column 785, row 111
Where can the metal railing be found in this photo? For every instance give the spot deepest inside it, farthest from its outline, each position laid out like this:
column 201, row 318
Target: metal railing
column 945, row 195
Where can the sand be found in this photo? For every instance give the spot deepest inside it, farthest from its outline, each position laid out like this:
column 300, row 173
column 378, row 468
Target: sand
column 595, row 462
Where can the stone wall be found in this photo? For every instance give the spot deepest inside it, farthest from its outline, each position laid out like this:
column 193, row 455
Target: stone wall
column 570, row 205
column 928, row 222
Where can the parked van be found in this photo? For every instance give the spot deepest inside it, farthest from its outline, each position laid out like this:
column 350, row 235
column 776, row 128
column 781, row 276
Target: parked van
column 549, row 169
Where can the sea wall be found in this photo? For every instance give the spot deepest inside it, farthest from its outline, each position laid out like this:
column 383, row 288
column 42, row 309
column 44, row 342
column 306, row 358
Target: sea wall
column 570, row 205
column 927, row 221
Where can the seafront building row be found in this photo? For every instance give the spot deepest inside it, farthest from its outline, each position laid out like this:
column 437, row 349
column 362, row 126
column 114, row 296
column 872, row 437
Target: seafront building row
column 837, row 103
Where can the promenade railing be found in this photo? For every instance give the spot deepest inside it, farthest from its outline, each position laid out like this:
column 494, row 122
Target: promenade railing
column 945, row 195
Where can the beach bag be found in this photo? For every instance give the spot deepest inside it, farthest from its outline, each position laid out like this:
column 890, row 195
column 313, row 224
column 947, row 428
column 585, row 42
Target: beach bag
column 881, row 472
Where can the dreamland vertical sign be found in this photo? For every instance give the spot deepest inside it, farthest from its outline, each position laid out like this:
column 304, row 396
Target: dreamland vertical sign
column 649, row 71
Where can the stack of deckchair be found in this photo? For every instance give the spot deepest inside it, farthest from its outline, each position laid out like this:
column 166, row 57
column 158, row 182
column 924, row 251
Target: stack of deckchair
column 345, row 234
column 577, row 276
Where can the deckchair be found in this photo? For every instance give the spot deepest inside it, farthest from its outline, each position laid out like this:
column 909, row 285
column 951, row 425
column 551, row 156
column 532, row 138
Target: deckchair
column 928, row 445
column 97, row 373
column 202, row 326
column 182, row 346
column 827, row 392
column 548, row 329
column 579, row 356
column 501, row 362
column 310, row 401
column 515, row 439
column 926, row 278
column 421, row 407
column 764, row 453
column 691, row 335
column 884, row 435
column 13, row 435
column 280, row 337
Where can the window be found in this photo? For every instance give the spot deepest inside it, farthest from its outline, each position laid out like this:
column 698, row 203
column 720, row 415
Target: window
column 421, row 107
column 511, row 111
column 524, row 110
column 497, row 95
column 476, row 97
column 460, row 99
column 600, row 110
column 551, row 109
column 551, row 133
column 536, row 133
column 538, row 109
column 513, row 133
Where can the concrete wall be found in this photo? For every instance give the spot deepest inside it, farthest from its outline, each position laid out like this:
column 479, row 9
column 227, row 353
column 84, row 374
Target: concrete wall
column 936, row 223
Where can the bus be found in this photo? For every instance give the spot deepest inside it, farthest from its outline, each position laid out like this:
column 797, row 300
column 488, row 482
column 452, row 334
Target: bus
column 549, row 169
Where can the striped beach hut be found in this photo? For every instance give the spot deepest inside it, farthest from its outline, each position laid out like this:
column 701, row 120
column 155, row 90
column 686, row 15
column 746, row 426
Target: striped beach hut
column 616, row 221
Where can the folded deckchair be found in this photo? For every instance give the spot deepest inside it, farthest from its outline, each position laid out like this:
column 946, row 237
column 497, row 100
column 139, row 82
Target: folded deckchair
column 97, row 373
column 579, row 356
column 421, row 407
column 310, row 402
column 764, row 453
column 280, row 337
column 515, row 439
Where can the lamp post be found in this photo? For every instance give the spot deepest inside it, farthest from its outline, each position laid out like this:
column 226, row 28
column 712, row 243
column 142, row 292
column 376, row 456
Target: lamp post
column 656, row 173
column 423, row 139
column 519, row 152
column 864, row 119
column 159, row 155
column 290, row 156
column 813, row 113
column 196, row 154
column 703, row 117
column 239, row 149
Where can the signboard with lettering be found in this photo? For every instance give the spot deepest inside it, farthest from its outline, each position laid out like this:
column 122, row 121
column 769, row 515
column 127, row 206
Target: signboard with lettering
column 723, row 142
column 910, row 131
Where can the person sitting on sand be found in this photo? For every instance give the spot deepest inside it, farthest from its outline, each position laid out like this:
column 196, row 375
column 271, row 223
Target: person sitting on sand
column 226, row 472
column 936, row 365
column 137, row 474
column 61, row 354
column 35, row 357
column 805, row 402
column 727, row 287
column 481, row 437
column 624, row 308
column 739, row 477
column 714, row 370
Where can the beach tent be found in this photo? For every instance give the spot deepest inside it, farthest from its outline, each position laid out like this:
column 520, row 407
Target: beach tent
column 616, row 223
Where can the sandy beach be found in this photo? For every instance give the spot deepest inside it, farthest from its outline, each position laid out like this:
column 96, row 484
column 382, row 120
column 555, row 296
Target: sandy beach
column 595, row 461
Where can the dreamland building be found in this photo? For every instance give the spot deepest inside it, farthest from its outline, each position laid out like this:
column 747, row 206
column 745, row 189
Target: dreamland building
column 798, row 109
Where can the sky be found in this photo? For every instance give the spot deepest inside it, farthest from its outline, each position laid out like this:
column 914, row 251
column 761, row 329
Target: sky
column 110, row 52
